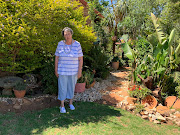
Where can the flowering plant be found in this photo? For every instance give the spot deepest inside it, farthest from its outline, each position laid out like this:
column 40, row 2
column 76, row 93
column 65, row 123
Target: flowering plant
column 139, row 92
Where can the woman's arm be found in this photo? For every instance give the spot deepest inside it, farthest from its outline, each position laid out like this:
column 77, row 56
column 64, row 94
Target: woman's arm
column 80, row 66
column 56, row 66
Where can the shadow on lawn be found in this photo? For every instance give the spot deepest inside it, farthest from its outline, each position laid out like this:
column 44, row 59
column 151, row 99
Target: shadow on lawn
column 85, row 112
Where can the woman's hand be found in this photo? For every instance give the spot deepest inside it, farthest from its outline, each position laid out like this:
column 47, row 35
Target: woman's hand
column 79, row 75
column 57, row 75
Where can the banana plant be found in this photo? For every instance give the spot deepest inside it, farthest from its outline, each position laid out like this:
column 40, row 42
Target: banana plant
column 165, row 44
column 130, row 53
column 164, row 57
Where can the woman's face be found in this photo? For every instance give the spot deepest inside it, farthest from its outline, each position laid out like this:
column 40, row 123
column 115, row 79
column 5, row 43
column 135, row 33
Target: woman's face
column 67, row 35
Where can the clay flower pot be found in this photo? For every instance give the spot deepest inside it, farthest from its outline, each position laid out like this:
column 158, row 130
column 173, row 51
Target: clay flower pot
column 115, row 65
column 19, row 93
column 80, row 87
column 151, row 100
column 169, row 101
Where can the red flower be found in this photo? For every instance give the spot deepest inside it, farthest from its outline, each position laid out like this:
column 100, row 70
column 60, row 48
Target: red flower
column 139, row 88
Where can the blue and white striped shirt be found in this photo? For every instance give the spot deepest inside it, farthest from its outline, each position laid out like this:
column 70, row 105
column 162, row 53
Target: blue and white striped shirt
column 68, row 62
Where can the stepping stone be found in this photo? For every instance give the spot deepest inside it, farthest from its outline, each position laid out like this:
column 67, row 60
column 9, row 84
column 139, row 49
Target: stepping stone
column 124, row 93
column 113, row 98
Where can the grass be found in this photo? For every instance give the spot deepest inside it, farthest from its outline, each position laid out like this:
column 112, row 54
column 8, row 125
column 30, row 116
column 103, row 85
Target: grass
column 87, row 119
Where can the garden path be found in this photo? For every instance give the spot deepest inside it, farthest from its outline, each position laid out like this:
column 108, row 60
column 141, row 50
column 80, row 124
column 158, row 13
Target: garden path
column 119, row 92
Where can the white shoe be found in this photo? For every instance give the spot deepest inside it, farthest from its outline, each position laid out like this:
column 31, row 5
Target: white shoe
column 72, row 107
column 62, row 110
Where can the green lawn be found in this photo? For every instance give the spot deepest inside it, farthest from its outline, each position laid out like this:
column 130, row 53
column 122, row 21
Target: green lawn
column 87, row 119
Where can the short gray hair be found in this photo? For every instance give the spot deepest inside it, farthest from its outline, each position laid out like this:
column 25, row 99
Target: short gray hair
column 67, row 29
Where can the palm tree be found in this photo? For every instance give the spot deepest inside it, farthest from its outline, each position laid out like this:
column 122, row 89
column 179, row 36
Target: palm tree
column 114, row 15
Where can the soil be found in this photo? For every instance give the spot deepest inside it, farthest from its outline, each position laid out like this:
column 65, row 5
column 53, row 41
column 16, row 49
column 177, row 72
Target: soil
column 31, row 106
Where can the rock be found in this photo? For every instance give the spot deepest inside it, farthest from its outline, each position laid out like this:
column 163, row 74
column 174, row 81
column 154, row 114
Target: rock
column 150, row 115
column 104, row 102
column 146, row 112
column 131, row 100
column 7, row 92
column 178, row 123
column 130, row 107
column 163, row 110
column 150, row 119
column 160, row 117
column 124, row 107
column 154, row 109
column 142, row 113
column 169, row 118
column 10, row 101
column 177, row 112
column 153, row 117
column 176, row 119
column 144, row 116
column 17, row 106
column 9, row 81
column 173, row 110
column 138, row 115
column 172, row 116
column 157, row 122
column 27, row 101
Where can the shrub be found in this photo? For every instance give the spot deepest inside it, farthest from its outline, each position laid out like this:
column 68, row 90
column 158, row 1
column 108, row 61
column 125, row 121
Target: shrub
column 98, row 60
column 49, row 80
column 30, row 31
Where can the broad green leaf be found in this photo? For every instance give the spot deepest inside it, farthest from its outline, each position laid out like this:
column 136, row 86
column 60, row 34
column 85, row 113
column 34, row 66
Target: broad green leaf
column 177, row 51
column 171, row 37
column 128, row 51
column 125, row 37
column 159, row 32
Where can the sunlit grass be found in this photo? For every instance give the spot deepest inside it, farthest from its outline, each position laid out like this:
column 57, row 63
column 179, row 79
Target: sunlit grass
column 88, row 118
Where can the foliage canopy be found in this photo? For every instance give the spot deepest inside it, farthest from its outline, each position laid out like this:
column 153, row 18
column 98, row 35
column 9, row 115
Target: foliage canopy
column 30, row 31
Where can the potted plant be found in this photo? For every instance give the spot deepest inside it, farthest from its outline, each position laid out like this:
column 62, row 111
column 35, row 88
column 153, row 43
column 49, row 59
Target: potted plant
column 115, row 62
column 80, row 85
column 20, row 89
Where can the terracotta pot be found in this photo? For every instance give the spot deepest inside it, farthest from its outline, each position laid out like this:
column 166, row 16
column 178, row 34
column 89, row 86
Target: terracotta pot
column 91, row 85
column 80, row 87
column 151, row 100
column 170, row 100
column 115, row 65
column 19, row 93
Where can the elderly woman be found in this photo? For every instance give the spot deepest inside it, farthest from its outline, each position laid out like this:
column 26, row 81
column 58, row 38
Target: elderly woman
column 68, row 67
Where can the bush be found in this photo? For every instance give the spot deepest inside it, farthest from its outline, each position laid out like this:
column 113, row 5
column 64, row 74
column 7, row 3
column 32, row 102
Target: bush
column 30, row 31
column 49, row 80
column 97, row 60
